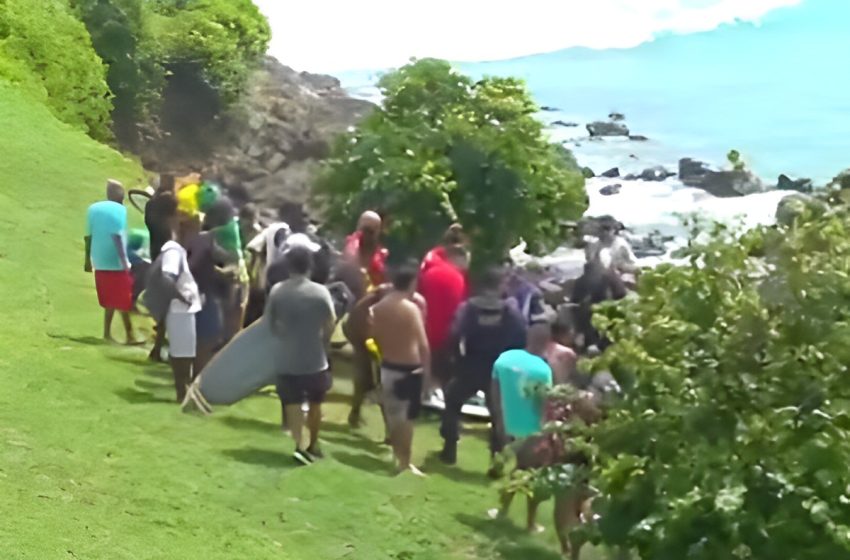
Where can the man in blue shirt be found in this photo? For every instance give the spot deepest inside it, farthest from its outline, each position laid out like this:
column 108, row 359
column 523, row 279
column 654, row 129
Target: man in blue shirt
column 106, row 253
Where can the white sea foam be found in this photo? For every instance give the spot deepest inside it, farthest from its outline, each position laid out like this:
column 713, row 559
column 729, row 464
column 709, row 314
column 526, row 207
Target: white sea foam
column 337, row 35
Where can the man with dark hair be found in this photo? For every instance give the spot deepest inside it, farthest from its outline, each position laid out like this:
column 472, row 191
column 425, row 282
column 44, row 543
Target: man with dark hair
column 158, row 211
column 106, row 252
column 301, row 315
column 486, row 326
column 443, row 285
column 399, row 331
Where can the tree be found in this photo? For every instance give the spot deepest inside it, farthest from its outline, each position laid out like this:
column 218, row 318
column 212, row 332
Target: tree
column 444, row 148
column 733, row 437
column 47, row 52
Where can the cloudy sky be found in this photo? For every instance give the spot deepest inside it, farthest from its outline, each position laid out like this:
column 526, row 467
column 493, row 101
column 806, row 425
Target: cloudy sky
column 335, row 35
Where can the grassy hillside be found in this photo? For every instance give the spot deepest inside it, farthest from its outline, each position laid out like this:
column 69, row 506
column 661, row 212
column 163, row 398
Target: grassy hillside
column 96, row 462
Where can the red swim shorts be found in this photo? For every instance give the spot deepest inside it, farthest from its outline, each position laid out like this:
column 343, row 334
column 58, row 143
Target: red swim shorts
column 114, row 289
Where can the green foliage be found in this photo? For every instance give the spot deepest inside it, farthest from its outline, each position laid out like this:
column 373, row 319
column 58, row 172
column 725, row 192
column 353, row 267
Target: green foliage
column 223, row 39
column 733, row 437
column 734, row 158
column 443, row 148
column 117, row 29
column 47, row 52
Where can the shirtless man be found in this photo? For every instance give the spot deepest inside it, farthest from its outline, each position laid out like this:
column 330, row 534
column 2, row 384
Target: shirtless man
column 364, row 248
column 399, row 331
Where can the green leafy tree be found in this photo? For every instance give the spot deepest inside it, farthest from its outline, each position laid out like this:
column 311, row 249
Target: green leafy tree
column 733, row 436
column 46, row 51
column 136, row 79
column 443, row 148
column 223, row 39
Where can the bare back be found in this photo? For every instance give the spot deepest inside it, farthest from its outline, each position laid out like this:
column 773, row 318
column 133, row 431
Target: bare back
column 399, row 330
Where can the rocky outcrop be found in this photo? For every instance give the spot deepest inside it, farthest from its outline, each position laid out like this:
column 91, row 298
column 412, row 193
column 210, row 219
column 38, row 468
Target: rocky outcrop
column 657, row 173
column 564, row 124
column 615, row 116
column 786, row 183
column 638, row 138
column 610, row 190
column 723, row 184
column 602, row 128
column 267, row 147
column 612, row 173
column 795, row 205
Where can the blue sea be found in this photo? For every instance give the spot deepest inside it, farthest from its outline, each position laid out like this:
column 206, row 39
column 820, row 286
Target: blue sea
column 777, row 90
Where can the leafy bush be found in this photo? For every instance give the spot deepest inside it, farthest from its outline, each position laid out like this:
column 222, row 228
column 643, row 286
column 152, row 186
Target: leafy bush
column 443, row 148
column 733, row 437
column 223, row 39
column 46, row 51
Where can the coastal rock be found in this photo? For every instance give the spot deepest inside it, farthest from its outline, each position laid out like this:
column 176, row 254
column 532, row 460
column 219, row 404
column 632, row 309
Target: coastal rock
column 638, row 138
column 615, row 116
column 602, row 128
column 266, row 148
column 786, row 183
column 610, row 190
column 657, row 173
column 795, row 205
column 549, row 109
column 588, row 173
column 723, row 184
column 841, row 181
column 564, row 124
column 612, row 173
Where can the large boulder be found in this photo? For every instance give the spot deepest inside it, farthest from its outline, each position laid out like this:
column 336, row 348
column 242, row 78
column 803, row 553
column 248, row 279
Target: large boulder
column 266, row 148
column 786, row 183
column 657, row 173
column 610, row 190
column 612, row 173
column 602, row 128
column 723, row 184
column 795, row 205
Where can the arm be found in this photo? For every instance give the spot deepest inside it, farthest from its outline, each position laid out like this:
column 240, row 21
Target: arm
column 170, row 272
column 330, row 322
column 422, row 343
column 496, row 417
column 87, row 264
column 122, row 252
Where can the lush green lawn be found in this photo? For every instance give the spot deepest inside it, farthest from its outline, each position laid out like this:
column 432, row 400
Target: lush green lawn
column 96, row 461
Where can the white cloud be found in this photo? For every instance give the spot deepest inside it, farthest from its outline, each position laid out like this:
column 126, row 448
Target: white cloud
column 334, row 35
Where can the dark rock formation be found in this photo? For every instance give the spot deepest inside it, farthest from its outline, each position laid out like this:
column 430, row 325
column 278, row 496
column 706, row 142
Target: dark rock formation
column 549, row 109
column 795, row 205
column 564, row 124
column 615, row 116
column 657, row 173
column 610, row 190
column 724, row 184
column 612, row 173
column 786, row 183
column 638, row 138
column 602, row 128
column 267, row 147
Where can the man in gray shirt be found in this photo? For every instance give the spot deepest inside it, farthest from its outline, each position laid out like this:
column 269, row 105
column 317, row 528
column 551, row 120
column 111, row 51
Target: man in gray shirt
column 301, row 315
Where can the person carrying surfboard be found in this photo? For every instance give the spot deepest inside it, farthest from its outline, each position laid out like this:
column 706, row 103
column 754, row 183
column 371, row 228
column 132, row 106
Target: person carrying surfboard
column 301, row 316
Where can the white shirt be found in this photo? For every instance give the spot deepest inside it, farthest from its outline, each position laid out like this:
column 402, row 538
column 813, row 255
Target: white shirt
column 264, row 241
column 617, row 255
column 175, row 263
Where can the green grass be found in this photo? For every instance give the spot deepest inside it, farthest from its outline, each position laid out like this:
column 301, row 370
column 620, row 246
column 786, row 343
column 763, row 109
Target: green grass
column 97, row 463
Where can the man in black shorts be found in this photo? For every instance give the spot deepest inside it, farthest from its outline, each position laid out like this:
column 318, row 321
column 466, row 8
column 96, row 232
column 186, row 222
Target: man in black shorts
column 301, row 315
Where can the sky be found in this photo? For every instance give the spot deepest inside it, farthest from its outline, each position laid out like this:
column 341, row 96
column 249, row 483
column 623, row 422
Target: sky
column 338, row 35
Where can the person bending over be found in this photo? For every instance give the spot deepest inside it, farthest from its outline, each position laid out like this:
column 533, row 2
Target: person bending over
column 301, row 315
column 399, row 331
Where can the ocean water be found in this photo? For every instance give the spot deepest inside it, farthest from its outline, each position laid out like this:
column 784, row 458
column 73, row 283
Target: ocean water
column 777, row 90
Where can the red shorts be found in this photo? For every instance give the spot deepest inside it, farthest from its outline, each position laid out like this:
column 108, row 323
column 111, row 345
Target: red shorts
column 114, row 289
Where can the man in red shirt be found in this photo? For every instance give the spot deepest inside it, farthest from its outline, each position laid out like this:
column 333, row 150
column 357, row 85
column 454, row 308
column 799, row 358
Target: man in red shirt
column 364, row 248
column 443, row 286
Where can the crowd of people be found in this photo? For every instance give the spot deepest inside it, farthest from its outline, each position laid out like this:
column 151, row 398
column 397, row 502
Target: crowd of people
column 413, row 328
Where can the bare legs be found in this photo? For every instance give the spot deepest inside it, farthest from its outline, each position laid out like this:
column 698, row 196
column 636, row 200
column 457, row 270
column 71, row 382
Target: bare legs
column 531, row 513
column 182, row 370
column 108, row 315
column 159, row 340
column 295, row 419
column 401, row 439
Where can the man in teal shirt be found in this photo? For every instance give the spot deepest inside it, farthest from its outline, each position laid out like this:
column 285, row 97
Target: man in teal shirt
column 106, row 253
column 515, row 375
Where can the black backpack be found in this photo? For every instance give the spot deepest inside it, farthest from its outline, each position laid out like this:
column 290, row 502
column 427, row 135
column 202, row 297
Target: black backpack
column 157, row 294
